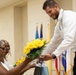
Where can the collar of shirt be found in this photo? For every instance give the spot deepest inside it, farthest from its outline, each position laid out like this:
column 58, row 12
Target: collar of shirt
column 60, row 14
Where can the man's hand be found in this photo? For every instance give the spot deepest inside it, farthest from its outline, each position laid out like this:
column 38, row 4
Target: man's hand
column 46, row 57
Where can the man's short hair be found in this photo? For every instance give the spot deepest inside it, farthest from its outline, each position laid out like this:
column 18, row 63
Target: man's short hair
column 50, row 3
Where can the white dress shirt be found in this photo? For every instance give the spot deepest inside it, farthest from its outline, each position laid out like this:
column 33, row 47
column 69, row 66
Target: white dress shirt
column 64, row 35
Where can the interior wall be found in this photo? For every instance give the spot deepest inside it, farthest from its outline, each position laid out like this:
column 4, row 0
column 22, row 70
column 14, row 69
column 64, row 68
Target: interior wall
column 18, row 32
column 65, row 4
column 21, row 29
column 7, row 29
column 36, row 16
column 12, row 28
column 74, row 5
column 25, row 25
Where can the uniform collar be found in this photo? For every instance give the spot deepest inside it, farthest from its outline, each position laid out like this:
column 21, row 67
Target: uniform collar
column 60, row 14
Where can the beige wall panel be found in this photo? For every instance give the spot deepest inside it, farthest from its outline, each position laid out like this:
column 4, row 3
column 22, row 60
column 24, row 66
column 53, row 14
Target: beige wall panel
column 25, row 25
column 36, row 16
column 7, row 28
column 74, row 5
column 18, row 36
column 65, row 4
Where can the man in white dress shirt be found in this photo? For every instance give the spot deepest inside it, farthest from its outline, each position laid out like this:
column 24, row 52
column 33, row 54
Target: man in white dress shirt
column 65, row 32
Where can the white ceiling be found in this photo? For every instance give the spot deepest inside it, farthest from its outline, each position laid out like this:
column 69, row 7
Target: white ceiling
column 4, row 3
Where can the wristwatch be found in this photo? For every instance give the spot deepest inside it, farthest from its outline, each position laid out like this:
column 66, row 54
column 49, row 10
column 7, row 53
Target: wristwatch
column 53, row 56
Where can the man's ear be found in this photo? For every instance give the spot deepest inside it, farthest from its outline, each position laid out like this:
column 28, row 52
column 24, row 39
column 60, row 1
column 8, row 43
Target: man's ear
column 56, row 6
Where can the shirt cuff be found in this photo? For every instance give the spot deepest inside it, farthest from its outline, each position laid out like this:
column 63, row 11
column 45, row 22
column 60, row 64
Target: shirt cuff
column 56, row 53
